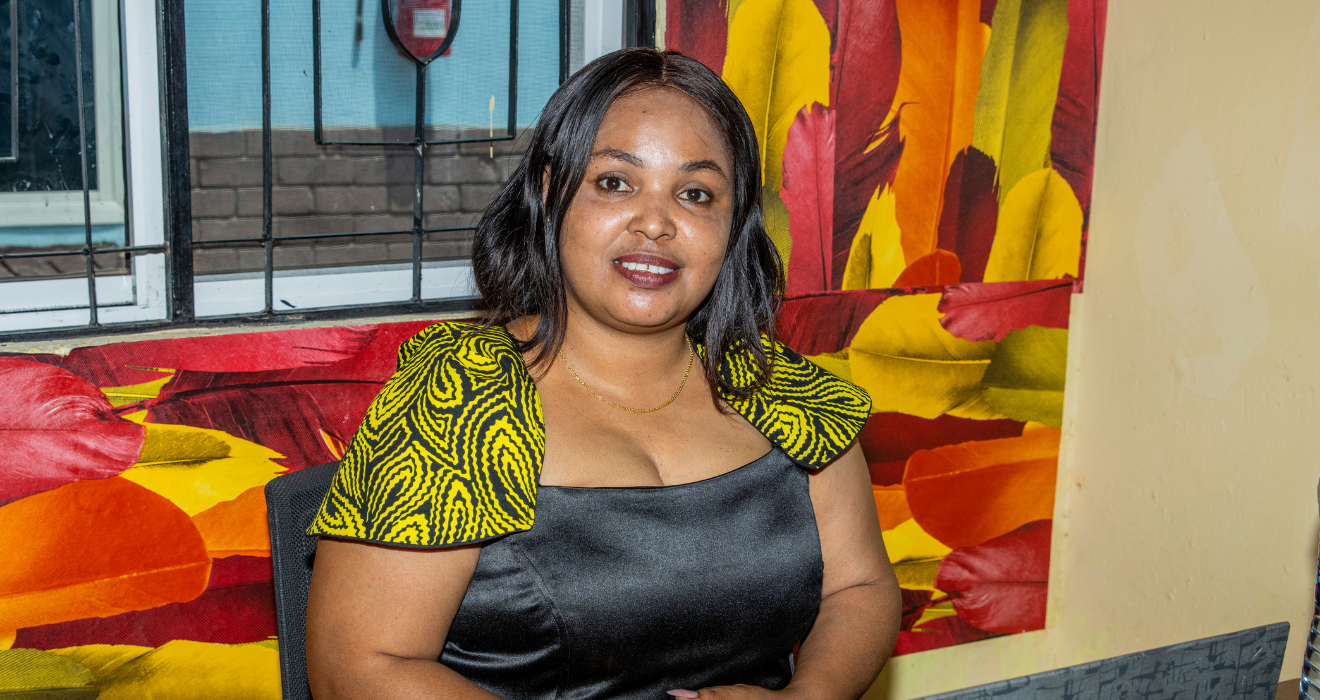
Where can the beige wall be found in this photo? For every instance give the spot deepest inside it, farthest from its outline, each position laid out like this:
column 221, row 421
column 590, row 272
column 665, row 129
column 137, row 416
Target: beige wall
column 1186, row 499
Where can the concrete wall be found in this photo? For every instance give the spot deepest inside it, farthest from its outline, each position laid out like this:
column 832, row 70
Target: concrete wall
column 1186, row 497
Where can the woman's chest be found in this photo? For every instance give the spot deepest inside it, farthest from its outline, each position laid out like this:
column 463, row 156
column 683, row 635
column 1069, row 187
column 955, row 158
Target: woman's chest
column 589, row 444
column 614, row 590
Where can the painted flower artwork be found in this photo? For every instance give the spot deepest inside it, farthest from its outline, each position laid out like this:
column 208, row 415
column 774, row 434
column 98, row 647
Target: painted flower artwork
column 926, row 174
column 132, row 510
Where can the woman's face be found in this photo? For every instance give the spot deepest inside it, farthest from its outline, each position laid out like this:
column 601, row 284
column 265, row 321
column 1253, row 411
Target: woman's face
column 644, row 238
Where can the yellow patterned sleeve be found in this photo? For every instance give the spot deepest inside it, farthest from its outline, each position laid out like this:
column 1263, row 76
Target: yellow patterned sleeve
column 450, row 450
column 811, row 414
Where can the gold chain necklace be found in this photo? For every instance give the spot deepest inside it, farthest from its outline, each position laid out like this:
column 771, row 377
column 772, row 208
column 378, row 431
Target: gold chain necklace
column 691, row 356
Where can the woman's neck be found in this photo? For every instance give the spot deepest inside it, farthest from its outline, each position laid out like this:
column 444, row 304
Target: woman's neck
column 615, row 360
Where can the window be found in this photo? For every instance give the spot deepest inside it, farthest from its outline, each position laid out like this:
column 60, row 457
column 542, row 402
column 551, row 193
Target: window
column 325, row 167
column 64, row 226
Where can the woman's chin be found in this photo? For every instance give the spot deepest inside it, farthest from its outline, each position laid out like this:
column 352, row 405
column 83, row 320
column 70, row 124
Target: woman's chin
column 647, row 318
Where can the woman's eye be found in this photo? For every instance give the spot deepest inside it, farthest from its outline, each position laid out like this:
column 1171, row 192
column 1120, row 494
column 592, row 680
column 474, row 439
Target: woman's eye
column 696, row 196
column 613, row 184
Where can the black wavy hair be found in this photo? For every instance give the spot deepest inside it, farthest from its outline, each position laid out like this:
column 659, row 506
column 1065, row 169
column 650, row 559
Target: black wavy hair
column 516, row 250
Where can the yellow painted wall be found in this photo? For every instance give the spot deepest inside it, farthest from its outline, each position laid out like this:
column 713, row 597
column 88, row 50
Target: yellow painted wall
column 1187, row 489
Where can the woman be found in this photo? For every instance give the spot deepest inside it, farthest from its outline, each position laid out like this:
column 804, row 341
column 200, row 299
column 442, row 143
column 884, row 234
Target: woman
column 552, row 504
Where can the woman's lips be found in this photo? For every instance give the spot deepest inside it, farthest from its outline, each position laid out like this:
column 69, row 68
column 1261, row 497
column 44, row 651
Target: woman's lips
column 646, row 271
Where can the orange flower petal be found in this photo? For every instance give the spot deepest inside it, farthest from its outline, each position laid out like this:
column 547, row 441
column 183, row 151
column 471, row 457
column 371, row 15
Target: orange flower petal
column 932, row 270
column 966, row 494
column 891, row 504
column 237, row 526
column 93, row 549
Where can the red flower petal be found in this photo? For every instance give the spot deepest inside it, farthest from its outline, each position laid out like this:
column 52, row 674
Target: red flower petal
column 57, row 429
column 1001, row 586
column 888, row 439
column 971, row 212
column 808, row 192
column 978, row 312
column 823, row 323
column 698, row 28
column 864, row 79
column 937, row 634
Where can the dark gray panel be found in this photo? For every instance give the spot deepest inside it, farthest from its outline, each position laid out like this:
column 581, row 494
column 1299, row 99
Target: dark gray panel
column 1238, row 666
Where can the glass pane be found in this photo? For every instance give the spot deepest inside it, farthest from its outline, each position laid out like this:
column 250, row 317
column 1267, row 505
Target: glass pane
column 8, row 80
column 41, row 186
column 368, row 94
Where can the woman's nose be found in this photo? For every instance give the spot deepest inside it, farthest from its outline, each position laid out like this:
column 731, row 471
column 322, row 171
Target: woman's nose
column 652, row 217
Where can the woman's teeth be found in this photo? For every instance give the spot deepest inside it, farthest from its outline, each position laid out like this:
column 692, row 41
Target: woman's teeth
column 640, row 267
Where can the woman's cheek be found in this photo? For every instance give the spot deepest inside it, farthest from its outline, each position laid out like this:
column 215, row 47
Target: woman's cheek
column 710, row 248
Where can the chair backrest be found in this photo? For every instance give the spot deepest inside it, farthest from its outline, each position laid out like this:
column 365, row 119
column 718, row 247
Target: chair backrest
column 1310, row 686
column 291, row 503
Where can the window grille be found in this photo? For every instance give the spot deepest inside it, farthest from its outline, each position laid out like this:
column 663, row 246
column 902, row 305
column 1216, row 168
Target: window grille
column 185, row 252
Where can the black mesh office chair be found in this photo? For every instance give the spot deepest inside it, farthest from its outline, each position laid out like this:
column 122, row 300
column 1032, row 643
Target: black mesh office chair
column 1310, row 687
column 291, row 503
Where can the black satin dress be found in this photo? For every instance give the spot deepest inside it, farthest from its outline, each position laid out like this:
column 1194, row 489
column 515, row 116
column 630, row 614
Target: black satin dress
column 630, row 592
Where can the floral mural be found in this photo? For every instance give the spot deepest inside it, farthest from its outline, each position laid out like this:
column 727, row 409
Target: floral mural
column 926, row 175
column 132, row 511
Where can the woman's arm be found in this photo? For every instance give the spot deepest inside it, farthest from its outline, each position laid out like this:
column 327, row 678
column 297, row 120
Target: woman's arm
column 860, row 606
column 377, row 618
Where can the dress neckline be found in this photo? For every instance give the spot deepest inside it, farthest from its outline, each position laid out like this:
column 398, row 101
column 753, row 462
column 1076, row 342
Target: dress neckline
column 536, row 396
column 665, row 487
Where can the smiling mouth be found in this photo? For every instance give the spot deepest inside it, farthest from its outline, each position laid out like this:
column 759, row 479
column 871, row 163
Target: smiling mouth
column 646, row 271
column 642, row 267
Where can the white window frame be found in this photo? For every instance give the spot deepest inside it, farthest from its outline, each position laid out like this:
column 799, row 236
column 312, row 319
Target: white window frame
column 143, row 295
column 131, row 43
column 602, row 28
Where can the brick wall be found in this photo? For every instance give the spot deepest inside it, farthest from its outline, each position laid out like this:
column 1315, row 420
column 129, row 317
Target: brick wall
column 338, row 189
column 61, row 266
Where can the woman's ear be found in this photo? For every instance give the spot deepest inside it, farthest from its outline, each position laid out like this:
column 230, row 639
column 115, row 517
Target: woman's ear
column 545, row 184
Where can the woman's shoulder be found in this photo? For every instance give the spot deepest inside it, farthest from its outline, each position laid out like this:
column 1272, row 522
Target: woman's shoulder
column 448, row 452
column 466, row 344
column 812, row 414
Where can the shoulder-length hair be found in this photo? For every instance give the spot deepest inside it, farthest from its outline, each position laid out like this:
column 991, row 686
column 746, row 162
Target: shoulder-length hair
column 516, row 250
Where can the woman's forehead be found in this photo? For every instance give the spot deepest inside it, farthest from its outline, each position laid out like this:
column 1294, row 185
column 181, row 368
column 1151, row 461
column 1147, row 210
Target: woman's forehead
column 662, row 124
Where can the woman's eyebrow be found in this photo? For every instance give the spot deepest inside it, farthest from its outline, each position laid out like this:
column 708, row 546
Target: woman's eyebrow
column 695, row 165
column 617, row 155
column 631, row 159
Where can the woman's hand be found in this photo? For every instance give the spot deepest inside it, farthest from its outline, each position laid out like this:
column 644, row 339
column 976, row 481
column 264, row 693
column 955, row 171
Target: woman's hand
column 736, row 692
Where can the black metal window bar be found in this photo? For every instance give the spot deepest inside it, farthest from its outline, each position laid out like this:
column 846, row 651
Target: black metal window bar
column 88, row 251
column 418, row 144
column 639, row 31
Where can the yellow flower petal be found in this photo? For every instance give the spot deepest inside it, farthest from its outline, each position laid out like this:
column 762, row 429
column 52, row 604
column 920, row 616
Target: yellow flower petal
column 908, row 542
column 196, row 468
column 778, row 62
